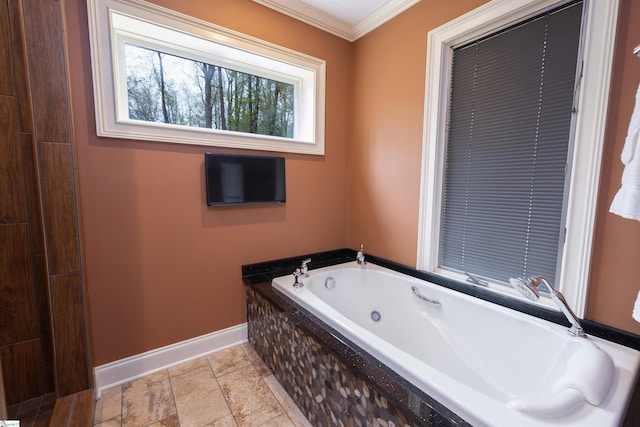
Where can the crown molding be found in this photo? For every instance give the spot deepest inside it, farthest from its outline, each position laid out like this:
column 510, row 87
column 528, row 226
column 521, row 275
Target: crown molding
column 379, row 16
column 310, row 15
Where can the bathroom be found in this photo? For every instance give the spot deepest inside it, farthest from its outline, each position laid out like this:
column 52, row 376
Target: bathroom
column 156, row 266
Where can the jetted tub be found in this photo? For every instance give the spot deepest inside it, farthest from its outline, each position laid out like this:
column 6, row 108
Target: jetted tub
column 491, row 365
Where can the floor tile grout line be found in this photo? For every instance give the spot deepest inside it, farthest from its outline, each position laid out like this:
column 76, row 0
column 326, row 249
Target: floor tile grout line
column 215, row 378
column 173, row 397
column 266, row 385
column 284, row 411
column 235, row 369
column 252, row 365
column 263, row 379
column 121, row 404
column 38, row 410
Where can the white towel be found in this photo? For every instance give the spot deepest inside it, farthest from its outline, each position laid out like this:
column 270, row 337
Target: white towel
column 626, row 202
column 636, row 309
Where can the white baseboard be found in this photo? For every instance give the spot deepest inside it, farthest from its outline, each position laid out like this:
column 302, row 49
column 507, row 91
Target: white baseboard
column 137, row 366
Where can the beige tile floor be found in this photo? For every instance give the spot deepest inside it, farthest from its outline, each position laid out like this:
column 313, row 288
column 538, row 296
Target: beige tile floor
column 231, row 387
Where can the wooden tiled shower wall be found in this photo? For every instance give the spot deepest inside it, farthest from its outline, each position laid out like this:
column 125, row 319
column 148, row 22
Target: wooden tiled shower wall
column 43, row 328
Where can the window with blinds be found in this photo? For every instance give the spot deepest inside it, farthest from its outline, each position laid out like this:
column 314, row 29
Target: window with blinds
column 508, row 146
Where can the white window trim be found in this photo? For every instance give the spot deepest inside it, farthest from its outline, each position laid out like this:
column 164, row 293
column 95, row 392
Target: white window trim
column 599, row 40
column 250, row 55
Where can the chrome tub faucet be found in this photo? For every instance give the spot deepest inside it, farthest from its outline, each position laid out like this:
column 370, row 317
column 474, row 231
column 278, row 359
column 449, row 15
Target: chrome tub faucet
column 301, row 273
column 304, row 269
column 530, row 289
column 360, row 256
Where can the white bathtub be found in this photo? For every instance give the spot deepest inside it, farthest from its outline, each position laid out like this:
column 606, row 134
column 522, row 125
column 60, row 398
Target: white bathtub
column 491, row 365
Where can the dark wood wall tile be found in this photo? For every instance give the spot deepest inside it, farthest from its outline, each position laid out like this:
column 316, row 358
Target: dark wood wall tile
column 18, row 320
column 41, row 286
column 40, row 290
column 12, row 197
column 6, row 70
column 88, row 322
column 21, row 74
column 69, row 334
column 21, row 371
column 47, row 71
column 59, row 208
column 34, row 212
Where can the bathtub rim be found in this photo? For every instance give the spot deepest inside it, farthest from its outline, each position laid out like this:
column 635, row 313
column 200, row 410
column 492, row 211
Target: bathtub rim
column 264, row 272
column 259, row 276
column 479, row 408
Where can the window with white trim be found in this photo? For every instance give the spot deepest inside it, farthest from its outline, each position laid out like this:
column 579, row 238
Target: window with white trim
column 514, row 121
column 163, row 76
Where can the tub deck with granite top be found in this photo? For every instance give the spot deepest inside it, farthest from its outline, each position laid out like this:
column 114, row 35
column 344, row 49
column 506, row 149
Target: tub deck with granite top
column 289, row 338
column 489, row 364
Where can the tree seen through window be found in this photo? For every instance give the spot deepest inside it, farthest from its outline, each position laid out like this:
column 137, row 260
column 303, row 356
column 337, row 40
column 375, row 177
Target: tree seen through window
column 164, row 88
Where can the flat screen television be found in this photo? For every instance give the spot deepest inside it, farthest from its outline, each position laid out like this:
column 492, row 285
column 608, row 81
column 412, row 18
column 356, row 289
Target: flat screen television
column 239, row 180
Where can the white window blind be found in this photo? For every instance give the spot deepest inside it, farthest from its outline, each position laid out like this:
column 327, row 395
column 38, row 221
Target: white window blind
column 510, row 123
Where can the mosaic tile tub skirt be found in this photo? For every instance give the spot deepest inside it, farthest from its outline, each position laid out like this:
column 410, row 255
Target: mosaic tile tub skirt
column 323, row 386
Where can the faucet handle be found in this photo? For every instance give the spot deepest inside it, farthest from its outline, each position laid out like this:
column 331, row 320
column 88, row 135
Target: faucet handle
column 360, row 255
column 298, row 275
column 304, row 269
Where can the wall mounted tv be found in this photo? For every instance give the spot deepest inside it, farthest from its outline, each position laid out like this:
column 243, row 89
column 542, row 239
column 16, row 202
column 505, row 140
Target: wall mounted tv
column 241, row 180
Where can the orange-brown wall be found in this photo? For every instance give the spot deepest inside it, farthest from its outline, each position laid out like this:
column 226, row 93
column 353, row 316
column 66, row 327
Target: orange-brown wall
column 385, row 152
column 163, row 267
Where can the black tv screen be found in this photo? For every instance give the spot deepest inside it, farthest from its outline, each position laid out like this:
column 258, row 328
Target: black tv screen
column 237, row 180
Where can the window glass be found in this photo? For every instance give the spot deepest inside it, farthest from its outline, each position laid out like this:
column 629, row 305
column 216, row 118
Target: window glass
column 164, row 88
column 509, row 135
